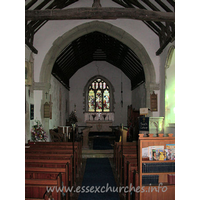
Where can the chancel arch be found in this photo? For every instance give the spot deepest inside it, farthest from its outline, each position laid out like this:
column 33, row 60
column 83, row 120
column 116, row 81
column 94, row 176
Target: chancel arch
column 111, row 31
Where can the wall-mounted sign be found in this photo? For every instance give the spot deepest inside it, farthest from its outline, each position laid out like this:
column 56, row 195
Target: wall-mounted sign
column 46, row 110
column 153, row 102
column 143, row 111
column 144, row 123
column 31, row 111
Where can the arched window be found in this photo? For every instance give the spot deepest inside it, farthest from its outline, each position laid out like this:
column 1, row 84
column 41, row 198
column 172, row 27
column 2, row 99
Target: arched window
column 99, row 96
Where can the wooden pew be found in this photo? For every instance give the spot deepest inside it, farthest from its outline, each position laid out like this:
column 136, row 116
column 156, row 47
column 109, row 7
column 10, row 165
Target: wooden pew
column 133, row 180
column 132, row 159
column 64, row 157
column 60, row 145
column 53, row 164
column 122, row 164
column 117, row 144
column 51, row 154
column 126, row 164
column 130, row 150
column 49, row 173
column 117, row 150
column 55, row 152
column 37, row 188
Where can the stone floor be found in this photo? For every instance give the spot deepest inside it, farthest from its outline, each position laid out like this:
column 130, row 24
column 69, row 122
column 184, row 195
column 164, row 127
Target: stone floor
column 90, row 153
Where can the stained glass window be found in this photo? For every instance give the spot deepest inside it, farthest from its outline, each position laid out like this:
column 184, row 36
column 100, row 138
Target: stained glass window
column 98, row 101
column 91, row 101
column 99, row 96
column 106, row 101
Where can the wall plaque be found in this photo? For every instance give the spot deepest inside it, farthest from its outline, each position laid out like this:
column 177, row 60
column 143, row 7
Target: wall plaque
column 153, row 102
column 46, row 110
column 31, row 111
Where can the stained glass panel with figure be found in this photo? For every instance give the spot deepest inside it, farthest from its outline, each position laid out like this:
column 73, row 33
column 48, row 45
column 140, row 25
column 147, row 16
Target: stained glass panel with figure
column 91, row 101
column 98, row 101
column 106, row 101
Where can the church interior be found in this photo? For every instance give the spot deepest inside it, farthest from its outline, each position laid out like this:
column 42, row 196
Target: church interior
column 100, row 99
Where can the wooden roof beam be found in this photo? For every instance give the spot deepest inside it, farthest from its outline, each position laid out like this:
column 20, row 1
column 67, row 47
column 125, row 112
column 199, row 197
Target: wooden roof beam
column 99, row 13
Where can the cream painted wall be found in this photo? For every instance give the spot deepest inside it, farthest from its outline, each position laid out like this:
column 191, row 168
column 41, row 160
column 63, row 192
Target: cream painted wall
column 58, row 116
column 139, row 97
column 163, row 58
column 110, row 72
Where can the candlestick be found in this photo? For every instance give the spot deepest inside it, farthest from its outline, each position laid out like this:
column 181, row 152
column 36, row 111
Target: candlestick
column 63, row 129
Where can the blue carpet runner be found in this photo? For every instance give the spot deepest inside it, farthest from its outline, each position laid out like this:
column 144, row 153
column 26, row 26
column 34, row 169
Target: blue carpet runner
column 101, row 144
column 98, row 181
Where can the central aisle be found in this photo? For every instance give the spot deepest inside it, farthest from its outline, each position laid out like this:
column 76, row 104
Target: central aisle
column 98, row 178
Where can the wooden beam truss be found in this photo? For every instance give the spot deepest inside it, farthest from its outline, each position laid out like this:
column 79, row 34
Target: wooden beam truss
column 160, row 19
column 99, row 13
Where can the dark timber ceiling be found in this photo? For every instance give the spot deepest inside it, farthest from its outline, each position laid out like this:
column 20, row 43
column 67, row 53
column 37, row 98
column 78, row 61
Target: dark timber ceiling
column 97, row 46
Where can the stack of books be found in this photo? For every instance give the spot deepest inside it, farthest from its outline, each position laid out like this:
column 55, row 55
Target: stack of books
column 158, row 167
column 150, row 179
column 171, row 178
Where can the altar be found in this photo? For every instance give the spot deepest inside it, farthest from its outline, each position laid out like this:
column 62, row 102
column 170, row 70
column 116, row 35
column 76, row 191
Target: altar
column 100, row 125
column 100, row 122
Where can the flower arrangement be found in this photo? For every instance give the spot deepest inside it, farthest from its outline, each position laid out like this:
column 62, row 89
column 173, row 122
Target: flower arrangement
column 38, row 133
column 73, row 118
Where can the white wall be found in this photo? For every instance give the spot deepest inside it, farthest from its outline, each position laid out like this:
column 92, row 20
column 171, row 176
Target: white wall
column 110, row 72
column 139, row 97
column 58, row 116
column 163, row 57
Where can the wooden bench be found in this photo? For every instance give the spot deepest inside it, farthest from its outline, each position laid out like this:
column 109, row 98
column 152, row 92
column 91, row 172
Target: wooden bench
column 119, row 163
column 49, row 173
column 133, row 180
column 117, row 144
column 55, row 152
column 126, row 165
column 117, row 150
column 45, row 159
column 37, row 188
column 119, row 159
column 63, row 157
column 53, row 164
column 61, row 146
column 133, row 161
